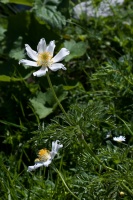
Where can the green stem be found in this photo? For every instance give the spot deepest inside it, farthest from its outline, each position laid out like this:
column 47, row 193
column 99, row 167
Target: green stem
column 56, row 98
column 129, row 191
column 66, row 184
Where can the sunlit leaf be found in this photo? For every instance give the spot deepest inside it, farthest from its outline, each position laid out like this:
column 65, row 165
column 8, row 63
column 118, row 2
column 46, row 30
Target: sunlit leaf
column 40, row 109
column 50, row 14
column 21, row 2
column 77, row 49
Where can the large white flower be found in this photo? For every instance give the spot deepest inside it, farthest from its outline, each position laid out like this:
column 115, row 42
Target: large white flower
column 45, row 157
column 44, row 57
column 119, row 139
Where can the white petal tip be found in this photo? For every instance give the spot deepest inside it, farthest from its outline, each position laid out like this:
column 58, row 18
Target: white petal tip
column 21, row 61
column 30, row 168
column 42, row 39
column 34, row 74
column 53, row 41
column 38, row 74
column 67, row 51
column 64, row 68
column 26, row 45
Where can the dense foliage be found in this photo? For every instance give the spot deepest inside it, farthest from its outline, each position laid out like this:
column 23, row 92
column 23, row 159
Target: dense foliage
column 95, row 91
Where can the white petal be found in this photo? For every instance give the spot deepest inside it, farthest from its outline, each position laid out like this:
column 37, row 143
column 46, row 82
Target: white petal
column 119, row 139
column 41, row 46
column 28, row 62
column 39, row 164
column 56, row 145
column 55, row 148
column 34, row 167
column 57, row 66
column 50, row 48
column 61, row 55
column 41, row 72
column 31, row 53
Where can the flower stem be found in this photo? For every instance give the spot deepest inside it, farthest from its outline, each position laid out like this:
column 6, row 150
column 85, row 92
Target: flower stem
column 56, row 98
column 66, row 184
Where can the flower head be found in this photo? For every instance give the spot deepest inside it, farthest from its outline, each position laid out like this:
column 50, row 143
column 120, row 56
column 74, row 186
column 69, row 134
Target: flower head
column 119, row 139
column 44, row 57
column 45, row 156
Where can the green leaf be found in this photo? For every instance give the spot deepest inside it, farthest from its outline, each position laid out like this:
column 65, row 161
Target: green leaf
column 49, row 14
column 12, row 124
column 17, row 52
column 61, row 94
column 40, row 109
column 5, row 78
column 71, row 87
column 21, row 2
column 44, row 103
column 77, row 49
column 127, row 126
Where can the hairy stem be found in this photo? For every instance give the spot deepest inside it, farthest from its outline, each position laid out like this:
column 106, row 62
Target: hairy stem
column 65, row 184
column 56, row 98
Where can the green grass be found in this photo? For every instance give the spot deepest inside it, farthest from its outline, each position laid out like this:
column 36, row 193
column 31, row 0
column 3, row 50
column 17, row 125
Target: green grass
column 94, row 100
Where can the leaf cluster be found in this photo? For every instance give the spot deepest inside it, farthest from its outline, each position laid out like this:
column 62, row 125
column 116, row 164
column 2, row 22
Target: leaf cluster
column 95, row 91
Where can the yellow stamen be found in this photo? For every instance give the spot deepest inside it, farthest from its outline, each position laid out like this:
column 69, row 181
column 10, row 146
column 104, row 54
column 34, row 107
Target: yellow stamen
column 43, row 155
column 44, row 59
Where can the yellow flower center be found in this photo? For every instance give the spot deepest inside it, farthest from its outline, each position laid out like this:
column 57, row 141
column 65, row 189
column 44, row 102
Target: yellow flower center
column 44, row 59
column 43, row 155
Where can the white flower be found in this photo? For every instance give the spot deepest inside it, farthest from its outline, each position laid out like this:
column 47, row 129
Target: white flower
column 119, row 139
column 88, row 9
column 45, row 157
column 44, row 57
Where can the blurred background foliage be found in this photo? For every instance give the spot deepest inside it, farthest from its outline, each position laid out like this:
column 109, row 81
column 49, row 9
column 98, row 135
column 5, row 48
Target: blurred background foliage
column 96, row 92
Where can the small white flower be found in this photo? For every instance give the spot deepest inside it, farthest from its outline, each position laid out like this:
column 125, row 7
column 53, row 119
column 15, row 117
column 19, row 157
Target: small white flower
column 44, row 57
column 119, row 139
column 45, row 157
